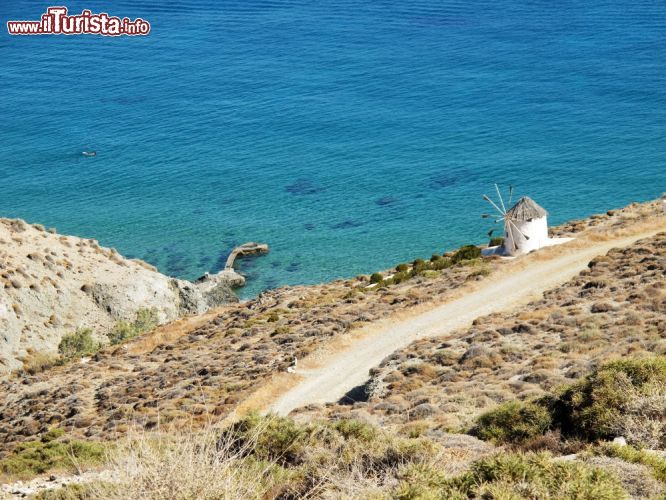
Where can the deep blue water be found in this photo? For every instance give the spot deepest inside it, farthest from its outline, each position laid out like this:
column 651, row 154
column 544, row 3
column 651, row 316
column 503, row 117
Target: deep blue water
column 348, row 135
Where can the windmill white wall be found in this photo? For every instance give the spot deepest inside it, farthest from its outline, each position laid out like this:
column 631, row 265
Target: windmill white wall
column 535, row 229
column 525, row 227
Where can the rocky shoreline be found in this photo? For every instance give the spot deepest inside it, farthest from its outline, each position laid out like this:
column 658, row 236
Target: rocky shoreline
column 53, row 284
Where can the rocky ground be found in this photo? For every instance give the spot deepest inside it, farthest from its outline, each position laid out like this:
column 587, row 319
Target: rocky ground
column 51, row 285
column 614, row 309
column 209, row 369
column 214, row 366
column 212, row 363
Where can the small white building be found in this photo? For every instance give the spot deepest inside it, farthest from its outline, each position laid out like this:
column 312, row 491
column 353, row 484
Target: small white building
column 525, row 228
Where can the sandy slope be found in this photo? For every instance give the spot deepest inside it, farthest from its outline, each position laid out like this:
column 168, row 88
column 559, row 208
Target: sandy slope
column 330, row 378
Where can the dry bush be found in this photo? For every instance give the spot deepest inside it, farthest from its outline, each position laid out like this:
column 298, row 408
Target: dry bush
column 38, row 362
column 186, row 466
column 265, row 457
column 644, row 419
column 621, row 396
column 513, row 476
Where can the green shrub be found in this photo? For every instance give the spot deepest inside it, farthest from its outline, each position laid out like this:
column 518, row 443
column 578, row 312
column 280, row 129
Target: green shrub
column 78, row 344
column 51, row 453
column 145, row 320
column 274, row 439
column 513, row 422
column 322, row 447
column 607, row 402
column 400, row 277
column 354, row 428
column 376, row 278
column 402, row 268
column 496, row 242
column 440, row 264
column 435, row 257
column 532, row 475
column 73, row 491
column 468, row 252
column 419, row 267
column 623, row 398
column 122, row 331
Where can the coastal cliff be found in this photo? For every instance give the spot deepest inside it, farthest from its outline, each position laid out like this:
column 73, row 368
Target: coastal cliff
column 52, row 285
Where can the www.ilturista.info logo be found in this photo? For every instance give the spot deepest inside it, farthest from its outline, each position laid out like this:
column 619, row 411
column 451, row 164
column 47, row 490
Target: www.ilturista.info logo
column 56, row 22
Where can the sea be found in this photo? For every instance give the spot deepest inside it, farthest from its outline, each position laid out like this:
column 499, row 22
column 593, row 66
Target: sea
column 348, row 135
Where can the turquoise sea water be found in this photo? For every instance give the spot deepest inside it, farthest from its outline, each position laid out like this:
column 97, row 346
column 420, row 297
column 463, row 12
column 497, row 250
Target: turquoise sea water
column 349, row 136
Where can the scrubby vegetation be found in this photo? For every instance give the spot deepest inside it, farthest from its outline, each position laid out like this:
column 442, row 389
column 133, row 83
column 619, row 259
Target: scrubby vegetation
column 531, row 352
column 226, row 357
column 622, row 398
column 376, row 278
column 271, row 457
column 82, row 342
column 73, row 492
column 78, row 344
column 514, row 476
column 267, row 457
column 334, row 445
column 146, row 320
column 38, row 362
column 53, row 451
column 468, row 252
column 514, row 422
column 429, row 268
column 654, row 461
column 433, row 386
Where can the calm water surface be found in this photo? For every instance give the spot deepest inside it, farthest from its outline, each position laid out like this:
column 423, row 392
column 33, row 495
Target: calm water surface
column 348, row 135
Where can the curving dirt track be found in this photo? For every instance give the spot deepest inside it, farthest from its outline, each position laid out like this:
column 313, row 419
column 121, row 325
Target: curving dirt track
column 329, row 379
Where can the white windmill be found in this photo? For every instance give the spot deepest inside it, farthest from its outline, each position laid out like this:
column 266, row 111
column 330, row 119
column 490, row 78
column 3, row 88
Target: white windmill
column 525, row 224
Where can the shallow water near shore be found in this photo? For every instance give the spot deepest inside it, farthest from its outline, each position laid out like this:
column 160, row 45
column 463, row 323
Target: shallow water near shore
column 347, row 136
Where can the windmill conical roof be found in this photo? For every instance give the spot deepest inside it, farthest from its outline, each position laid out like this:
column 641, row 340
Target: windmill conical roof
column 526, row 209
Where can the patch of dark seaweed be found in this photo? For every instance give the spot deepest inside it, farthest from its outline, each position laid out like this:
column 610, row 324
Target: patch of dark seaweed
column 386, row 201
column 347, row 224
column 303, row 187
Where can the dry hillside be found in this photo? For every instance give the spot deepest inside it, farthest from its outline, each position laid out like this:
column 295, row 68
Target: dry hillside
column 614, row 309
column 209, row 365
column 51, row 285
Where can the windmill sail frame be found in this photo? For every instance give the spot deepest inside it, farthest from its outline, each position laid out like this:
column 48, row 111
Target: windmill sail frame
column 525, row 224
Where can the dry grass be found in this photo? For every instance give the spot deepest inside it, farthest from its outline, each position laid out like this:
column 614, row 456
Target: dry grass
column 38, row 362
column 182, row 466
column 271, row 457
column 170, row 332
column 266, row 395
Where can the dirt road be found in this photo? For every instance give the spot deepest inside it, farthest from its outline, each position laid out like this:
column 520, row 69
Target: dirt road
column 330, row 378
